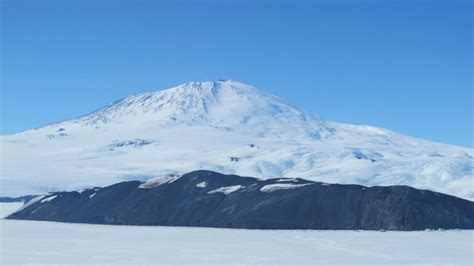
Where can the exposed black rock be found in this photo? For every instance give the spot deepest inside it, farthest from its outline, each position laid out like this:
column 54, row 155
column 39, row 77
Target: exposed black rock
column 209, row 199
column 132, row 143
column 18, row 199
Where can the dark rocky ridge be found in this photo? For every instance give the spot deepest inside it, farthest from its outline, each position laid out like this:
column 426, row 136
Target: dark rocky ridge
column 183, row 202
column 18, row 199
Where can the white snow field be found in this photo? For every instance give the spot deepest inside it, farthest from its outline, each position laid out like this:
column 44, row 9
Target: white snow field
column 9, row 207
column 31, row 242
column 228, row 127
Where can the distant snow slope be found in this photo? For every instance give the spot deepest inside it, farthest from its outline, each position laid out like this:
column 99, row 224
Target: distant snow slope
column 225, row 126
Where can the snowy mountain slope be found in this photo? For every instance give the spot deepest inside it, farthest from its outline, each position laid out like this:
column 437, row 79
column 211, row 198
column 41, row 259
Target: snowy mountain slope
column 224, row 126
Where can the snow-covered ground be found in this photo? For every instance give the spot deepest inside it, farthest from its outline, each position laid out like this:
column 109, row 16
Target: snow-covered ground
column 228, row 127
column 9, row 207
column 29, row 242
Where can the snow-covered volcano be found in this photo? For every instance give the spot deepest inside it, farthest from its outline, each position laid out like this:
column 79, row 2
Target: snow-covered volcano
column 224, row 126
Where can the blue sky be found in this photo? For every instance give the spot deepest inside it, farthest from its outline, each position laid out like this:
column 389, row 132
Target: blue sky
column 401, row 65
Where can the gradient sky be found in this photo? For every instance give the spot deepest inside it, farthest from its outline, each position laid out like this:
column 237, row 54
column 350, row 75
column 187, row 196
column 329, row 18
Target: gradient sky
column 402, row 65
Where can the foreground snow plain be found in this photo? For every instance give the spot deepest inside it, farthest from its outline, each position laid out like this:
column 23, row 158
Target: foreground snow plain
column 30, row 242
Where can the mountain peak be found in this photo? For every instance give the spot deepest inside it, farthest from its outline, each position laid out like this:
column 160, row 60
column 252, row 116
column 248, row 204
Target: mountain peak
column 210, row 101
column 230, row 127
column 225, row 104
column 210, row 87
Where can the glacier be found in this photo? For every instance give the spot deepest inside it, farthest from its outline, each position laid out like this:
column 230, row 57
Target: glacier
column 224, row 126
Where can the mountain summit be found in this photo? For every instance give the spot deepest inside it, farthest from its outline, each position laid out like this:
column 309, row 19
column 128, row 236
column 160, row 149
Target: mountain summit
column 222, row 103
column 225, row 126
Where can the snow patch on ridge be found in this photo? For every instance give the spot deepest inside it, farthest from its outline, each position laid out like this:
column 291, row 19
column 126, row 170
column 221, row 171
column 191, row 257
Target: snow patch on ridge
column 274, row 187
column 201, row 185
column 287, row 180
column 49, row 199
column 158, row 181
column 226, row 190
column 32, row 201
